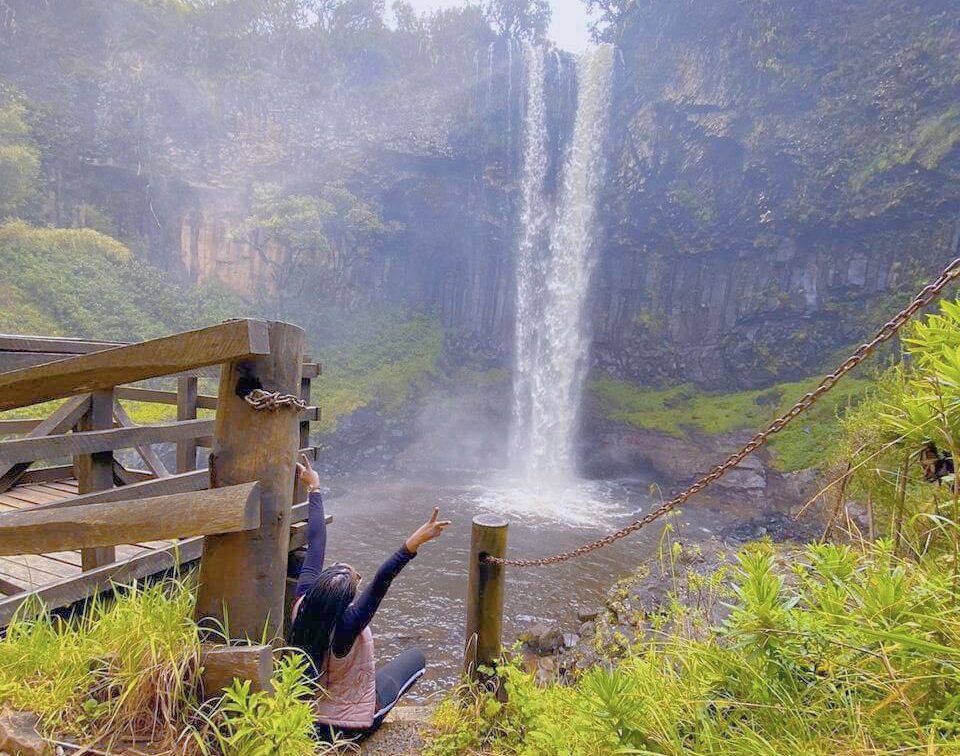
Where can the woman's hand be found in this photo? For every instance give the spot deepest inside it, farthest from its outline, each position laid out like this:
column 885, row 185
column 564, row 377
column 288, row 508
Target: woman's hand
column 308, row 476
column 426, row 532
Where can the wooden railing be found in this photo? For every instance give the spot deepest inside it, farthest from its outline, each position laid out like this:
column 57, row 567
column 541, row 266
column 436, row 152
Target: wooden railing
column 244, row 525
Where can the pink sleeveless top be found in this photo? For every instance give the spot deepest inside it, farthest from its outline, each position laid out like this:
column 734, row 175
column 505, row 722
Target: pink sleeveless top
column 348, row 697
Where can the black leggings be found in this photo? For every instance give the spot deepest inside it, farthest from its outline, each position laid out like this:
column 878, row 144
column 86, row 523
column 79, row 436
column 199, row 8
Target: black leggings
column 393, row 680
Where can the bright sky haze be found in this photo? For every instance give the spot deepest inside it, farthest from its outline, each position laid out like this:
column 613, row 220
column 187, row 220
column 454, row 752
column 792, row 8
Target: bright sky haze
column 568, row 25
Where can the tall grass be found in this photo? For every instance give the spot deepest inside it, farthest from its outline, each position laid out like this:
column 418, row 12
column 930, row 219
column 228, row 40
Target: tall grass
column 126, row 670
column 859, row 654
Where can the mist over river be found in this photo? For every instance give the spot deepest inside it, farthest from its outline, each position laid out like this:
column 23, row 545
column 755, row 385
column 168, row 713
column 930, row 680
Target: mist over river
column 425, row 607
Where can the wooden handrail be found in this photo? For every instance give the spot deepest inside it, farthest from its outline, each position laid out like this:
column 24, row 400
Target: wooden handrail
column 218, row 510
column 155, row 396
column 233, row 340
column 68, row 444
column 10, row 342
column 198, row 480
column 63, row 418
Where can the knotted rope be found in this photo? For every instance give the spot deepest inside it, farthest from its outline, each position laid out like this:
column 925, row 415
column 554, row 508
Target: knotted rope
column 927, row 296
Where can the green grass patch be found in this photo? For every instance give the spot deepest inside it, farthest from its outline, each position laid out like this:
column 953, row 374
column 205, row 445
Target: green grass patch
column 128, row 668
column 79, row 282
column 684, row 410
column 857, row 654
column 391, row 361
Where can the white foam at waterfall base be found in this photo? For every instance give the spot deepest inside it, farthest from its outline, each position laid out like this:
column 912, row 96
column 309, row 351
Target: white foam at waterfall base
column 578, row 503
column 556, row 256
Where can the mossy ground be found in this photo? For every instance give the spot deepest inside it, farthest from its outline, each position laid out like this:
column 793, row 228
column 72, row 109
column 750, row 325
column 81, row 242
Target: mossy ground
column 385, row 365
column 684, row 410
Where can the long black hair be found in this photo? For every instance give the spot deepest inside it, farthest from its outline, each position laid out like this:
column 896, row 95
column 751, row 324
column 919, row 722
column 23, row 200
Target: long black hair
column 322, row 605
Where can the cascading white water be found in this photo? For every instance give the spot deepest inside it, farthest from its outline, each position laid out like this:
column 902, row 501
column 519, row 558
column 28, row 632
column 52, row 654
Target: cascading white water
column 534, row 214
column 555, row 262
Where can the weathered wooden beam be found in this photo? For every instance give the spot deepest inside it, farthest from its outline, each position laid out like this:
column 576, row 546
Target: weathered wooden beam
column 221, row 510
column 156, row 396
column 10, row 361
column 233, row 340
column 47, row 474
column 70, row 590
column 66, row 445
column 63, row 418
column 221, row 665
column 53, row 344
column 95, row 472
column 187, row 403
column 197, row 480
column 311, row 370
column 146, row 452
column 9, row 588
column 19, row 426
column 299, row 490
column 125, row 476
column 242, row 575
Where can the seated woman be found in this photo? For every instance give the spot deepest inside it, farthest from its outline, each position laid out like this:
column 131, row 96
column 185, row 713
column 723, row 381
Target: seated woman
column 330, row 623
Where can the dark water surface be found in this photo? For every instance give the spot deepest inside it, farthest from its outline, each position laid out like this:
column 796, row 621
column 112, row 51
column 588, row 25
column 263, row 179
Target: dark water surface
column 425, row 606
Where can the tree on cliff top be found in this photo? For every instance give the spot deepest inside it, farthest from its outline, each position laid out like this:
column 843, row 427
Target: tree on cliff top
column 519, row 19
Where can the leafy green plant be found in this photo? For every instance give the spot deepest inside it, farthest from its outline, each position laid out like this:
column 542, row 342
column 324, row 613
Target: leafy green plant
column 78, row 282
column 276, row 723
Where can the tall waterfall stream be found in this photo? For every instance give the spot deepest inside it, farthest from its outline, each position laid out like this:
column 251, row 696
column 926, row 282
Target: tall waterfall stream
column 555, row 261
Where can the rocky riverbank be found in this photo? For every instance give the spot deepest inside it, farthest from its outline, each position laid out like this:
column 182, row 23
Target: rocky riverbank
column 688, row 584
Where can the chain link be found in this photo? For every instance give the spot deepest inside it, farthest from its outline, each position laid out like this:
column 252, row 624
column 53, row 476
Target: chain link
column 927, row 296
column 260, row 399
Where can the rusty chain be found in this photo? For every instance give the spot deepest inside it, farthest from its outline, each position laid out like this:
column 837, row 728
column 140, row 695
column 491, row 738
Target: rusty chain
column 260, row 399
column 927, row 296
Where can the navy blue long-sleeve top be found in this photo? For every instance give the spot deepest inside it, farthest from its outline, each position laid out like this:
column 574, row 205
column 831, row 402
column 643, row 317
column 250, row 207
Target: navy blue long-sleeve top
column 358, row 615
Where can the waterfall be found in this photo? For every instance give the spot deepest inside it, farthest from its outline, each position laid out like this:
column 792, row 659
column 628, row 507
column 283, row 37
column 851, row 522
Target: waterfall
column 555, row 261
column 534, row 213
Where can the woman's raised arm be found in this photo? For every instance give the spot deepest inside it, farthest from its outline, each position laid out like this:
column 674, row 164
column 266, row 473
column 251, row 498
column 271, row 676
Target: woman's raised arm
column 316, row 528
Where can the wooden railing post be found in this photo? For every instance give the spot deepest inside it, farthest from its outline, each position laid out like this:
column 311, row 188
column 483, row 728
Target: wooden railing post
column 95, row 471
column 242, row 575
column 187, row 410
column 300, row 491
column 485, row 595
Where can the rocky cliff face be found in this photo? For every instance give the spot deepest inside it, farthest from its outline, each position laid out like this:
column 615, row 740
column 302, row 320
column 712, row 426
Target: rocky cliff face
column 786, row 173
column 783, row 174
column 780, row 185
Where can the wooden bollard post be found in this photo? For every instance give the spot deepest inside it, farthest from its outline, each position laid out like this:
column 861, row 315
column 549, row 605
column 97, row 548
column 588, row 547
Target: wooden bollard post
column 485, row 595
column 243, row 575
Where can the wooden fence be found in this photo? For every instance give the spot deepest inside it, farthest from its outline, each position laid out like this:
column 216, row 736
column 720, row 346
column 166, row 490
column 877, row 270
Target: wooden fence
column 240, row 514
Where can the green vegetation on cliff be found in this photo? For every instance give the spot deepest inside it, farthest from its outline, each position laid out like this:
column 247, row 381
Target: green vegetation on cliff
column 683, row 410
column 79, row 282
column 387, row 361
